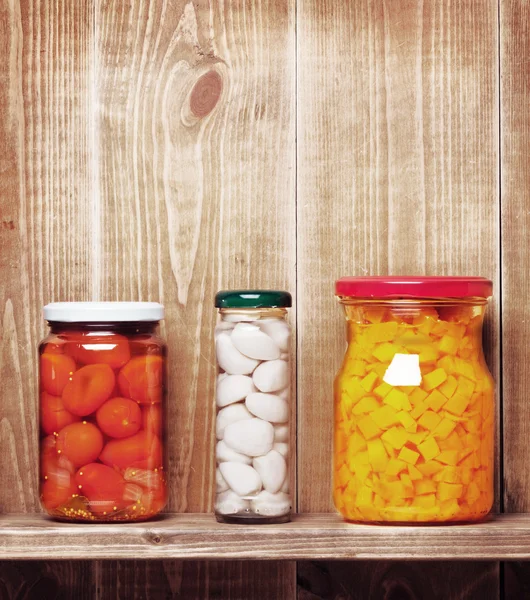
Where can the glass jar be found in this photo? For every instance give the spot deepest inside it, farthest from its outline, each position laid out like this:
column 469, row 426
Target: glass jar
column 102, row 399
column 414, row 401
column 253, row 407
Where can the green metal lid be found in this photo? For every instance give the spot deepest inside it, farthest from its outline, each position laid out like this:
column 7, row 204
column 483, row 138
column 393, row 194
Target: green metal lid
column 253, row 299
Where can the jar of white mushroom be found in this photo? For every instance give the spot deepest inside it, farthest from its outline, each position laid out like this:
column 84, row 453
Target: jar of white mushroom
column 253, row 407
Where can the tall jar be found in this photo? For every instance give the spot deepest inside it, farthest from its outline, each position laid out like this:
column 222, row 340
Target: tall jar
column 414, row 401
column 102, row 396
column 253, row 407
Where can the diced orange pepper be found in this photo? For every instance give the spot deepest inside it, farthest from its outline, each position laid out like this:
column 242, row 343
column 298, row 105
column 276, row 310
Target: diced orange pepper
column 382, row 390
column 397, row 400
column 368, row 427
column 385, row 417
column 414, row 473
column 434, row 379
column 418, row 396
column 457, row 404
column 368, row 382
column 435, row 400
column 449, row 386
column 395, row 467
column 407, row 421
column 449, row 491
column 429, row 420
column 408, row 455
column 429, row 449
column 396, row 436
column 424, row 487
column 377, row 455
column 365, row 405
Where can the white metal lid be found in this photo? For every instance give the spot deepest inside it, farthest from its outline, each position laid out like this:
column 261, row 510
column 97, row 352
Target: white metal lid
column 101, row 312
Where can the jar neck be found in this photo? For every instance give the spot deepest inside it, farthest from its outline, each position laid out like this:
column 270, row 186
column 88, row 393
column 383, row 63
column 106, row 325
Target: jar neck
column 253, row 313
column 124, row 328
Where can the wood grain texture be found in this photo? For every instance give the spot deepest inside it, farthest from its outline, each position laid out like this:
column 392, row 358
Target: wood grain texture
column 515, row 228
column 196, row 187
column 311, row 536
column 397, row 581
column 230, row 580
column 45, row 218
column 515, row 222
column 45, row 235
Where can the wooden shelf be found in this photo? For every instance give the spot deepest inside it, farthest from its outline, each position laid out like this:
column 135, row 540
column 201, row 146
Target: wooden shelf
column 308, row 536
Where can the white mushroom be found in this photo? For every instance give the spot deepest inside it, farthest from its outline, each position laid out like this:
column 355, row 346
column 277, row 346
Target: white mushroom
column 243, row 479
column 252, row 342
column 224, row 453
column 282, row 448
column 268, row 407
column 278, row 330
column 230, row 359
column 233, row 388
column 272, row 469
column 228, row 415
column 220, row 482
column 271, row 376
column 252, row 437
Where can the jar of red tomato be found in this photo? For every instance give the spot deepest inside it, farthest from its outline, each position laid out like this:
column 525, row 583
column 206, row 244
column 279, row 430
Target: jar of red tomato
column 102, row 396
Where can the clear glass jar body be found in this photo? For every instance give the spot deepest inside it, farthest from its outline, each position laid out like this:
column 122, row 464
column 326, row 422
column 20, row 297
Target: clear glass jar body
column 252, row 416
column 102, row 421
column 414, row 413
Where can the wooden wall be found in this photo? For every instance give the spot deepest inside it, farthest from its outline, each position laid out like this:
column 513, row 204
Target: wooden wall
column 164, row 149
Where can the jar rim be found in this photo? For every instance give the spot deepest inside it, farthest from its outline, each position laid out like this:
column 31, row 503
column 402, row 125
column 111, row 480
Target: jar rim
column 396, row 287
column 102, row 312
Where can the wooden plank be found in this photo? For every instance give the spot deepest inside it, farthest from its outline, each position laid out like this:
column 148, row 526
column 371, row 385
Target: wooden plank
column 47, row 579
column 397, row 174
column 45, row 235
column 45, row 213
column 515, row 227
column 136, row 580
column 315, row 536
column 196, row 181
column 410, row 580
column 515, row 193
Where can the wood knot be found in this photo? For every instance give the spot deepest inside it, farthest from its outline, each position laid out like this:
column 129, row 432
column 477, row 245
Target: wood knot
column 205, row 94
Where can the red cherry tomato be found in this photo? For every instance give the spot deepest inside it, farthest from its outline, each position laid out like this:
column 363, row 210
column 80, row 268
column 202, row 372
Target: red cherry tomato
column 81, row 443
column 142, row 378
column 48, row 455
column 53, row 494
column 89, row 388
column 152, row 419
column 56, row 370
column 119, row 417
column 102, row 486
column 53, row 414
column 99, row 348
column 53, row 348
column 142, row 450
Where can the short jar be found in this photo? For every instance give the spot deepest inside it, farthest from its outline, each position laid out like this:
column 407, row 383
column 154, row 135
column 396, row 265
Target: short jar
column 253, row 407
column 102, row 399
column 414, row 402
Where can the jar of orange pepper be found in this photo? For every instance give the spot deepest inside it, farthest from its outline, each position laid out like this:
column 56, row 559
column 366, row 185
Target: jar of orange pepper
column 102, row 393
column 414, row 401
